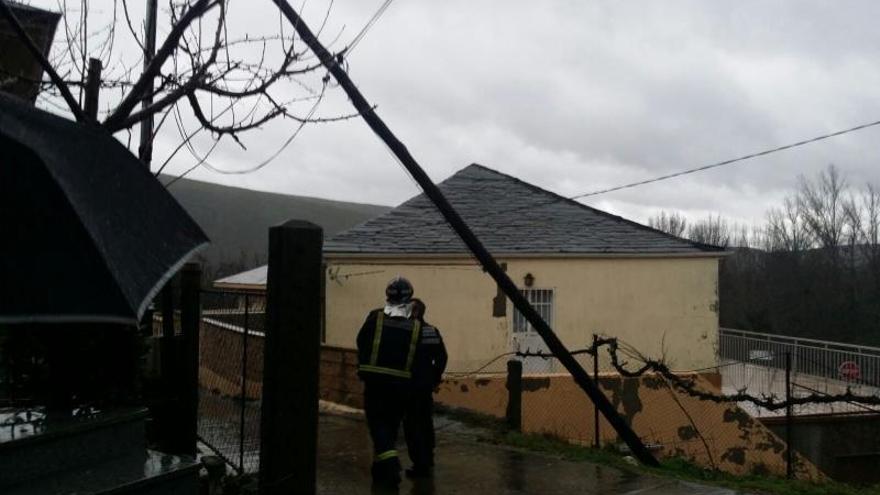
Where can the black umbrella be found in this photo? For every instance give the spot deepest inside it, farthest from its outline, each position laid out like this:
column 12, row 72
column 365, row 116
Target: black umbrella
column 87, row 234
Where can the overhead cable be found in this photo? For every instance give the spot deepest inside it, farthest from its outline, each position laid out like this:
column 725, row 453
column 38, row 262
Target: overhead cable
column 357, row 39
column 726, row 162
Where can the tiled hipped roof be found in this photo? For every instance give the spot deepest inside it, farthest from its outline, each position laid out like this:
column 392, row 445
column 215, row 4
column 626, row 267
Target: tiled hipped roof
column 510, row 217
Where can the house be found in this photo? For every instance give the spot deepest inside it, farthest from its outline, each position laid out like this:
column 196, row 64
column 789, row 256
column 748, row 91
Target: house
column 586, row 272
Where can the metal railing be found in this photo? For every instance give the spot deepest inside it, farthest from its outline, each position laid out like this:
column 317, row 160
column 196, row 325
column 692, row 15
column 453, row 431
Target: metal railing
column 854, row 365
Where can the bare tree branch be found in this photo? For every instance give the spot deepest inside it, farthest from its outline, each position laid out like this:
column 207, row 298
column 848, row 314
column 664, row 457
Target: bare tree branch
column 230, row 89
column 168, row 46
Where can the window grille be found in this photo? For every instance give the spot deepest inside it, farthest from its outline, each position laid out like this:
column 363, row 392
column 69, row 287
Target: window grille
column 542, row 301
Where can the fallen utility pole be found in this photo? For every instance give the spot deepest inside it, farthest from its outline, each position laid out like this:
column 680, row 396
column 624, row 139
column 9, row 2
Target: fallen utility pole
column 332, row 63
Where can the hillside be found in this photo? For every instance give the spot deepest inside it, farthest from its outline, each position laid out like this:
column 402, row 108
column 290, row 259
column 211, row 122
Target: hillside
column 237, row 220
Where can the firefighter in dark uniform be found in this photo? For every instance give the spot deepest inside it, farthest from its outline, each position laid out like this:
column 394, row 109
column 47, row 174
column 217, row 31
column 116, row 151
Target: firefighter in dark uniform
column 387, row 344
column 427, row 373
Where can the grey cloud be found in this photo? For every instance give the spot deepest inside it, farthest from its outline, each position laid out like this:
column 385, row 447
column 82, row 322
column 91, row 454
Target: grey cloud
column 578, row 96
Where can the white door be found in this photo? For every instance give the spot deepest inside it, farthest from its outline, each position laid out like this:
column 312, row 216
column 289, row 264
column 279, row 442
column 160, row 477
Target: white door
column 525, row 338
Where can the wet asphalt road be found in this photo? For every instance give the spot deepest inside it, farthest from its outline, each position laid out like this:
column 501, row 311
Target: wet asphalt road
column 467, row 466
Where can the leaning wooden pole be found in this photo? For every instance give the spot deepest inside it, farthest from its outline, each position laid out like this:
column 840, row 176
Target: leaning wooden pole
column 556, row 346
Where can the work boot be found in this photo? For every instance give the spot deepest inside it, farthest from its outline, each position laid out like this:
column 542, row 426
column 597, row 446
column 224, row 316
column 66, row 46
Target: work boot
column 416, row 472
column 386, row 473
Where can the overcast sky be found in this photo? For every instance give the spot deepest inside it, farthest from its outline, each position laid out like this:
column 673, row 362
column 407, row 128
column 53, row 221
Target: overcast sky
column 578, row 96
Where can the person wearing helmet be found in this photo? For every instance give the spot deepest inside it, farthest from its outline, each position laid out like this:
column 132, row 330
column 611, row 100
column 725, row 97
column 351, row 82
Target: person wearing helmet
column 387, row 343
column 427, row 373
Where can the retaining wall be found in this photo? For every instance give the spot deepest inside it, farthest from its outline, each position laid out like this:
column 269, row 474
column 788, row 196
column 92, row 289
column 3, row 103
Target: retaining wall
column 673, row 424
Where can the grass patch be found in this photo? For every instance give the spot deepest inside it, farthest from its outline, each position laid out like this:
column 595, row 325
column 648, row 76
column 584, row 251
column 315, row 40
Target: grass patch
column 682, row 469
column 485, row 421
column 497, row 433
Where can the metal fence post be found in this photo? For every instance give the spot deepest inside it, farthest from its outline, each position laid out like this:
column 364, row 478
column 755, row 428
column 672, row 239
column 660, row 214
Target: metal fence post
column 216, row 469
column 597, row 442
column 168, row 309
column 167, row 347
column 788, row 454
column 190, row 320
column 164, row 429
column 243, row 402
column 10, row 378
column 289, row 416
column 514, row 395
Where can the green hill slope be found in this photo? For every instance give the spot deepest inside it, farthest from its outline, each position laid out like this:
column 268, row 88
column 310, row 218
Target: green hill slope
column 237, row 220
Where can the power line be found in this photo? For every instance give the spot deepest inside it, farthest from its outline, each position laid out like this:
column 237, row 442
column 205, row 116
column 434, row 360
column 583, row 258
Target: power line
column 277, row 152
column 726, row 162
column 203, row 161
column 463, row 374
column 357, row 39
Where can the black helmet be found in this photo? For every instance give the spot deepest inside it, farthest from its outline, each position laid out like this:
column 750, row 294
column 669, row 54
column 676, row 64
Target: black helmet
column 399, row 291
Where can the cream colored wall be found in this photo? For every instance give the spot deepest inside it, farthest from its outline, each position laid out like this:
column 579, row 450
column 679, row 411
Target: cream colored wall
column 662, row 306
column 459, row 300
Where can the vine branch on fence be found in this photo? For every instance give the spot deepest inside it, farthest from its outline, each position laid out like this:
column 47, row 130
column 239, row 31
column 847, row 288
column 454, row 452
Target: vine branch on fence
column 689, row 386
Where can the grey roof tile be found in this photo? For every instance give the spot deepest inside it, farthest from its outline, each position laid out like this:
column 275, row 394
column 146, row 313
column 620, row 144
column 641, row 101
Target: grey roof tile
column 509, row 216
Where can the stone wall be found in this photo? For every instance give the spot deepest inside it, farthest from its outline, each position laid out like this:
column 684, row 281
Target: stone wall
column 221, row 361
column 339, row 382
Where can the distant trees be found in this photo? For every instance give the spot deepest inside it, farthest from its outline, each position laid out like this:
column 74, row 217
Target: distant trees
column 812, row 269
column 710, row 230
column 863, row 214
column 822, row 203
column 786, row 228
column 672, row 223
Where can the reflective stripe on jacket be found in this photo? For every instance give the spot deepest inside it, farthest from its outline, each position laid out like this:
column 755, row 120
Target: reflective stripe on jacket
column 387, row 346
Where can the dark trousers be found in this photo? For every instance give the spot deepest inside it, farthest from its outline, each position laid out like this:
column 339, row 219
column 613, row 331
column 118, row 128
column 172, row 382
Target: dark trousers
column 384, row 405
column 418, row 426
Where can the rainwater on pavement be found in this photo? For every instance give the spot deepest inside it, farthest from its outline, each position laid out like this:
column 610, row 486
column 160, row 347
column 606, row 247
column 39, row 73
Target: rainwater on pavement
column 465, row 465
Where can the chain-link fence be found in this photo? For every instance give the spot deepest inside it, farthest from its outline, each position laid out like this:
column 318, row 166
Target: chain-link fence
column 230, row 376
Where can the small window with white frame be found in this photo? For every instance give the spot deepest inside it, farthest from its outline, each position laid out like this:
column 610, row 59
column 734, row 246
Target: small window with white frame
column 542, row 301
